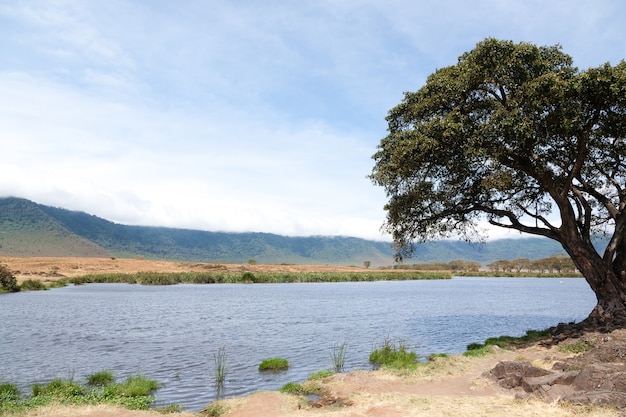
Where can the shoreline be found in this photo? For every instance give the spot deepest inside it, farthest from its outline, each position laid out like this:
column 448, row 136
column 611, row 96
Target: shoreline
column 451, row 386
column 456, row 385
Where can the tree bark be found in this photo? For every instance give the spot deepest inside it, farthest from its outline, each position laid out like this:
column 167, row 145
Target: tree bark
column 607, row 284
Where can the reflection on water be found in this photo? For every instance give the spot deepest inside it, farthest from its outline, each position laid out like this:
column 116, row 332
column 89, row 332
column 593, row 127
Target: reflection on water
column 173, row 333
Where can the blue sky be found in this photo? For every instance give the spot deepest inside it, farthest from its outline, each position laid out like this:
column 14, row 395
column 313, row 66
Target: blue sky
column 240, row 115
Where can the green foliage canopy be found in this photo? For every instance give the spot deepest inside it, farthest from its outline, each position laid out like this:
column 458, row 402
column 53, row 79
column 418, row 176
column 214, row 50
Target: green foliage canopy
column 513, row 133
column 509, row 131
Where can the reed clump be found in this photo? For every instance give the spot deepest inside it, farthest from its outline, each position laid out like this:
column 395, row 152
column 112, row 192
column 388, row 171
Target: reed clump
column 393, row 354
column 338, row 355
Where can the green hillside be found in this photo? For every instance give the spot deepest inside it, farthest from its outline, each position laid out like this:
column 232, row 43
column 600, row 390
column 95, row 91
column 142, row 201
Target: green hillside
column 26, row 230
column 31, row 229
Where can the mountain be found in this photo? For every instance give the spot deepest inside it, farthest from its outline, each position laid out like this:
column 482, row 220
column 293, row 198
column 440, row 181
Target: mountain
column 31, row 229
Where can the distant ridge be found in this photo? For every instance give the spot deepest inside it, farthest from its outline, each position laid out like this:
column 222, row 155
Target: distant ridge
column 31, row 229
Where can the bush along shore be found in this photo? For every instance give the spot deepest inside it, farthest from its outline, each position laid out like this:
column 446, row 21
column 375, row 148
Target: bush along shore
column 173, row 278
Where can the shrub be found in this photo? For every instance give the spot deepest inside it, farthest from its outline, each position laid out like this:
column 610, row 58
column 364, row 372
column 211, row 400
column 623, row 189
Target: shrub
column 7, row 280
column 274, row 364
column 393, row 355
column 249, row 277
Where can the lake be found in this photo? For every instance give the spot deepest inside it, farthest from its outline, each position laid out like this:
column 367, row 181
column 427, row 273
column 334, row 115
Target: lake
column 171, row 333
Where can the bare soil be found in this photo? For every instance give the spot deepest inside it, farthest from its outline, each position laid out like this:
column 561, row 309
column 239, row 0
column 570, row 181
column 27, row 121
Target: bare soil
column 456, row 386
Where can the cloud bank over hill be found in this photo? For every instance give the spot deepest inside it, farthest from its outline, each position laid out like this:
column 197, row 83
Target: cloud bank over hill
column 239, row 116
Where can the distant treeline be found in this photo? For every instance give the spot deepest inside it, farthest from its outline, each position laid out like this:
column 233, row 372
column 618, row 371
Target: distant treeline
column 557, row 264
column 455, row 266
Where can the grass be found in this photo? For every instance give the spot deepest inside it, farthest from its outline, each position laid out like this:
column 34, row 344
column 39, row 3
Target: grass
column 220, row 371
column 393, row 355
column 506, row 342
column 274, row 364
column 436, row 356
column 215, row 409
column 576, row 348
column 293, row 388
column 101, row 379
column 307, row 388
column 320, row 375
column 32, row 285
column 221, row 277
column 134, row 393
column 338, row 355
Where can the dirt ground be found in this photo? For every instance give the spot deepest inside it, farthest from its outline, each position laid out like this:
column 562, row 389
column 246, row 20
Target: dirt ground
column 456, row 386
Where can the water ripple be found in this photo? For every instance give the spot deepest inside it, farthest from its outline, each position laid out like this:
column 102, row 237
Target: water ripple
column 172, row 333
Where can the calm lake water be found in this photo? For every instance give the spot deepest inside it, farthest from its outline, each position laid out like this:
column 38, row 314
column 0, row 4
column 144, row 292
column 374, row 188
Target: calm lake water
column 171, row 333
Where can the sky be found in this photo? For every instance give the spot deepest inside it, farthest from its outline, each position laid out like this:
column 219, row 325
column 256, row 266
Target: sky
column 240, row 115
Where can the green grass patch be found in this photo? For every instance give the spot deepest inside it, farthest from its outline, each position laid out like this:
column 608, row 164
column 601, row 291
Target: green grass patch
column 135, row 393
column 101, row 379
column 475, row 350
column 9, row 394
column 293, row 388
column 274, row 364
column 320, row 375
column 578, row 347
column 393, row 355
column 506, row 342
column 134, row 386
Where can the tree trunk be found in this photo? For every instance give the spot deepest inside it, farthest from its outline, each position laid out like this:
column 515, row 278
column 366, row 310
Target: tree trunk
column 608, row 286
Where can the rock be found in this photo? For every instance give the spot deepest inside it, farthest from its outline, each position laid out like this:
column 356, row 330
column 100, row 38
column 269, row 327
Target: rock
column 612, row 398
column 601, row 377
column 510, row 374
column 556, row 392
column 532, row 384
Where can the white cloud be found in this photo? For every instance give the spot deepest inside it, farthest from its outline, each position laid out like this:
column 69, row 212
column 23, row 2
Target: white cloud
column 238, row 116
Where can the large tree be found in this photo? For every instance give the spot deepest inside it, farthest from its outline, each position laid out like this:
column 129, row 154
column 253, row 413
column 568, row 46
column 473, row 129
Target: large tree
column 516, row 135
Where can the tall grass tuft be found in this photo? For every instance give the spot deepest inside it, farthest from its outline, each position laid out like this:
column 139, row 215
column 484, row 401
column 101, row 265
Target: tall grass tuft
column 394, row 355
column 220, row 371
column 338, row 355
column 101, row 379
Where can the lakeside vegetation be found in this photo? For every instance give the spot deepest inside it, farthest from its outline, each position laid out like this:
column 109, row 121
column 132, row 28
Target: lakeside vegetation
column 221, row 277
column 135, row 393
